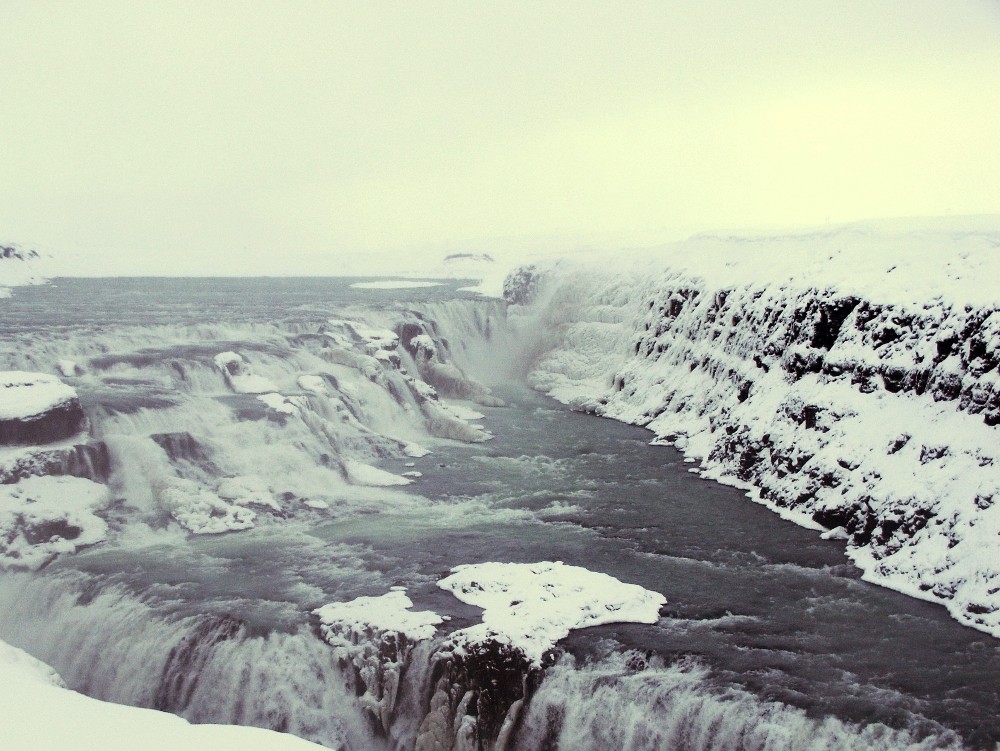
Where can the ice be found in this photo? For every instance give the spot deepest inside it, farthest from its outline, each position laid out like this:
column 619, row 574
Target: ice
column 360, row 473
column 239, row 375
column 279, row 403
column 248, row 490
column 532, row 606
column 24, row 394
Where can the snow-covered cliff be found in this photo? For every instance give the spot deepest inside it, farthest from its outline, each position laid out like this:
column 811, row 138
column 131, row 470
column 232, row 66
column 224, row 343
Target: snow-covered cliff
column 19, row 267
column 849, row 378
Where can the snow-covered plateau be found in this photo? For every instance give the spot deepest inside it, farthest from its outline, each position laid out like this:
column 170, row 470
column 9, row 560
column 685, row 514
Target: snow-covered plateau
column 849, row 379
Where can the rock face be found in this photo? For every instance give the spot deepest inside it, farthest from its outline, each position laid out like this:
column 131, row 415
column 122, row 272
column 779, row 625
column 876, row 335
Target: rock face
column 871, row 414
column 36, row 408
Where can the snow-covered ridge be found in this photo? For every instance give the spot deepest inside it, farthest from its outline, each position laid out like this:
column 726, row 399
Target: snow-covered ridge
column 850, row 378
column 18, row 268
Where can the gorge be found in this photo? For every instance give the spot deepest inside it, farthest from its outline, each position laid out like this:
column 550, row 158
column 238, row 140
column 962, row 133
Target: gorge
column 244, row 459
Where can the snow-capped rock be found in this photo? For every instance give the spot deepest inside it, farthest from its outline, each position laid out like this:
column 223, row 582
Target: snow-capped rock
column 240, row 376
column 531, row 606
column 360, row 473
column 37, row 408
column 42, row 517
column 376, row 636
column 19, row 268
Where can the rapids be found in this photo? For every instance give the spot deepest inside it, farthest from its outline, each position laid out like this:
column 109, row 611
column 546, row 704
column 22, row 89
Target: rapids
column 769, row 639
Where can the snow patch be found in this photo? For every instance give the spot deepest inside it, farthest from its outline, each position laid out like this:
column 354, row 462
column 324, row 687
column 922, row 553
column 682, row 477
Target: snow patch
column 531, row 606
column 41, row 517
column 388, row 612
column 24, row 394
column 359, row 473
column 239, row 375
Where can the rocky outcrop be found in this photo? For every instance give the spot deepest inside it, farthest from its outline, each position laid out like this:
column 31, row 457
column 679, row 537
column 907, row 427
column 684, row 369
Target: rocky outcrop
column 36, row 408
column 477, row 698
column 90, row 461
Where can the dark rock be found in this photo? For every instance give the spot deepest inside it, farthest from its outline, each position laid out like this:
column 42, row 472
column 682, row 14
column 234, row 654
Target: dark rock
column 60, row 422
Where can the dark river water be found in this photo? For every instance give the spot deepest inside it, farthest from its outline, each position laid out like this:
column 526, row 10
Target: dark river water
column 769, row 638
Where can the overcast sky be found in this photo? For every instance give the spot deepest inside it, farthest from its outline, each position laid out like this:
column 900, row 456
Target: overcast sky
column 277, row 137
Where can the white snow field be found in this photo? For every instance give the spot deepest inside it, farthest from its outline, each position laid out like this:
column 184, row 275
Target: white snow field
column 849, row 378
column 37, row 712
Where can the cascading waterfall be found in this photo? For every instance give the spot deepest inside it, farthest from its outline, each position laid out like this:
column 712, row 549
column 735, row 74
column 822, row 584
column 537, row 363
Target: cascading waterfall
column 209, row 668
column 219, row 636
column 627, row 702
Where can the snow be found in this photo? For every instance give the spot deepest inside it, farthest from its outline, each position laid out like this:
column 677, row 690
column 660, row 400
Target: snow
column 846, row 376
column 360, row 473
column 239, row 375
column 279, row 403
column 199, row 510
column 67, row 368
column 462, row 411
column 248, row 490
column 41, row 714
column 24, row 394
column 394, row 284
column 313, row 383
column 19, row 268
column 415, row 450
column 374, row 337
column 389, row 612
column 41, row 517
column 531, row 606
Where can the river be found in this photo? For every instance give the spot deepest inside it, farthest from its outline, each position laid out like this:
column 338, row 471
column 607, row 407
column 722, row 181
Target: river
column 769, row 638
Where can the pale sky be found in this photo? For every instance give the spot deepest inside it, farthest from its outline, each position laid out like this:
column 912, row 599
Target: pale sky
column 278, row 137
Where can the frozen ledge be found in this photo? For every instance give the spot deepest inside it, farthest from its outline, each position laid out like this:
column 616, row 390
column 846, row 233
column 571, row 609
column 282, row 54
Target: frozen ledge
column 531, row 606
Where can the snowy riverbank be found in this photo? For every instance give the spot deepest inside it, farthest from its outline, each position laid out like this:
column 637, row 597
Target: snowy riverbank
column 849, row 378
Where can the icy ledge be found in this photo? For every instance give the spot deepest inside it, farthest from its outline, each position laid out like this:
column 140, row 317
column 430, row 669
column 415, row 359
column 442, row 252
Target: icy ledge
column 532, row 606
column 41, row 714
column 848, row 378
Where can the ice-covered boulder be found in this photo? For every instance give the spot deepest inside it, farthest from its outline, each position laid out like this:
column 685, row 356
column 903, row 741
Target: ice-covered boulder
column 532, row 606
column 37, row 408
